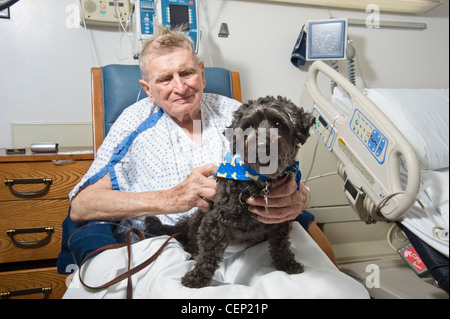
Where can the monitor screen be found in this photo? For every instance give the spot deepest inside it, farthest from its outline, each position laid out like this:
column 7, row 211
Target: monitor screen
column 179, row 16
column 326, row 40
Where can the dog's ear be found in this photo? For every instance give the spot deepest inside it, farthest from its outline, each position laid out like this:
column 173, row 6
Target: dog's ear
column 302, row 121
column 237, row 117
column 238, row 114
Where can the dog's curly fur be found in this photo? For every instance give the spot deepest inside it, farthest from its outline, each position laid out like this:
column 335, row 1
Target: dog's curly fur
column 207, row 235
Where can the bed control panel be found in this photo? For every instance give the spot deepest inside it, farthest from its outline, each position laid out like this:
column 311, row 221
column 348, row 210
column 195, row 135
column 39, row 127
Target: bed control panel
column 323, row 129
column 369, row 135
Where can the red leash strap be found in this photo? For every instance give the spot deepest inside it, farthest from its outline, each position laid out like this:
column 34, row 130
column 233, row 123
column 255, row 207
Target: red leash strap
column 130, row 272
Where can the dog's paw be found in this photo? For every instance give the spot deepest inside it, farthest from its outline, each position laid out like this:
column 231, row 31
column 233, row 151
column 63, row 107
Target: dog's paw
column 192, row 280
column 291, row 268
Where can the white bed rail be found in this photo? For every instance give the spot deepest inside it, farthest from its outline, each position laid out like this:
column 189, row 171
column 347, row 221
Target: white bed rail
column 368, row 146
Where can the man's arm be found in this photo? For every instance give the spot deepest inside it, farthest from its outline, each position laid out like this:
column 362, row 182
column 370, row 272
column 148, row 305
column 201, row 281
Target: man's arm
column 100, row 202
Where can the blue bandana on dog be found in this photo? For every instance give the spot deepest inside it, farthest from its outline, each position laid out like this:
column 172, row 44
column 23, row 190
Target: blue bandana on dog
column 233, row 167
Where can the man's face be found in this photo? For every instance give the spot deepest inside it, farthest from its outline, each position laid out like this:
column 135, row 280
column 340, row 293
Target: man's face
column 175, row 83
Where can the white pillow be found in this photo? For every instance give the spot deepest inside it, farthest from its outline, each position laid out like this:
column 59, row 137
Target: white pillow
column 422, row 116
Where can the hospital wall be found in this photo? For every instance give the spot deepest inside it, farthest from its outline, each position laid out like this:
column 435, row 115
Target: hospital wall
column 45, row 59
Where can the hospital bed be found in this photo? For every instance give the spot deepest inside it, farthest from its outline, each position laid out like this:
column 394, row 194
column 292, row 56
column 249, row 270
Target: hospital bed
column 365, row 177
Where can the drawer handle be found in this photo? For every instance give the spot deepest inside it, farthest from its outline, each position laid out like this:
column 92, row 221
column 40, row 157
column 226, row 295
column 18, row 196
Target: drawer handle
column 46, row 181
column 28, row 244
column 14, row 293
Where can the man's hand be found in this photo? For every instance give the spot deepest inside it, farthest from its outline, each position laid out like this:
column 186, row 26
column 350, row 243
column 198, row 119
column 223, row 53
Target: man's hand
column 196, row 190
column 285, row 203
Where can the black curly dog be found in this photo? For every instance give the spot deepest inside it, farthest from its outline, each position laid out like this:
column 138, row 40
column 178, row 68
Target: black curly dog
column 207, row 235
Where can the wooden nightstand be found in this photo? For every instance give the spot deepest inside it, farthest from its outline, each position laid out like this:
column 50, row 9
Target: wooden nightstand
column 34, row 201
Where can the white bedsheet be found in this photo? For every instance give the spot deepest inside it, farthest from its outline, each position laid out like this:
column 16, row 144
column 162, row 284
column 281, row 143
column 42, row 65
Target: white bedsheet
column 421, row 115
column 435, row 196
column 245, row 273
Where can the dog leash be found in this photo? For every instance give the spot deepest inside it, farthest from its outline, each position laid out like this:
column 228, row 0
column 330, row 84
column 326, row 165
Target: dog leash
column 130, row 272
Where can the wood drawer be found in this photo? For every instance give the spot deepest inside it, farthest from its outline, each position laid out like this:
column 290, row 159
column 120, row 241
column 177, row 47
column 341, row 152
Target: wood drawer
column 64, row 176
column 34, row 282
column 31, row 214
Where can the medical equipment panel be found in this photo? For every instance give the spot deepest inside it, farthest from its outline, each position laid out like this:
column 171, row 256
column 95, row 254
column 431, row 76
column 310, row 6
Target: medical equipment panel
column 369, row 149
column 326, row 39
column 146, row 11
column 105, row 12
column 323, row 129
column 369, row 135
column 170, row 13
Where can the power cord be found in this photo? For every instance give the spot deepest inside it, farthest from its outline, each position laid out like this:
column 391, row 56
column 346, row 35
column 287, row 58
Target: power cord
column 124, row 30
column 389, row 236
column 438, row 231
column 94, row 53
column 312, row 162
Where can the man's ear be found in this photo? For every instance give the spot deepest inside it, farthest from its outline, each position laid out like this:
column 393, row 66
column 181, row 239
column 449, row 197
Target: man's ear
column 202, row 67
column 146, row 88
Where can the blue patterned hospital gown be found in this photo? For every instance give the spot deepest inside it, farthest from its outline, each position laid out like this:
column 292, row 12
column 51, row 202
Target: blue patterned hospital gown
column 145, row 150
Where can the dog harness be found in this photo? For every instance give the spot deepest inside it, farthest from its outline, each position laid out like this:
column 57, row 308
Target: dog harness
column 233, row 167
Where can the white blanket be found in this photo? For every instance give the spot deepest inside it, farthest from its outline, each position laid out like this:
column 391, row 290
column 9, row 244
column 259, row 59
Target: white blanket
column 244, row 273
column 435, row 196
